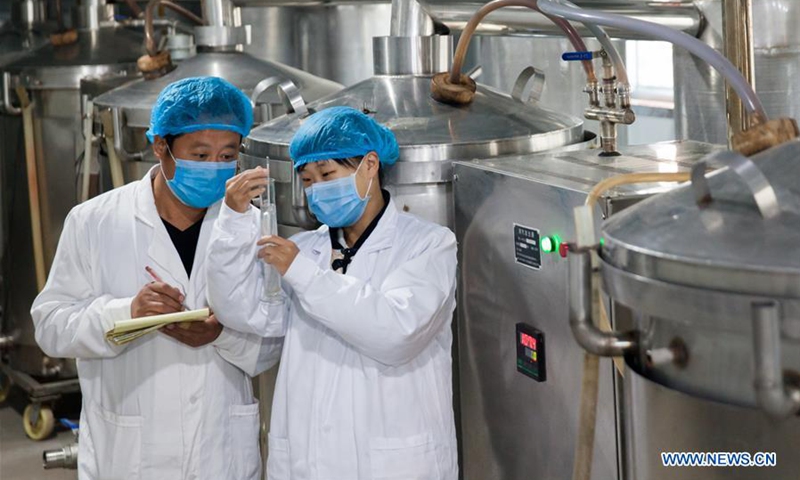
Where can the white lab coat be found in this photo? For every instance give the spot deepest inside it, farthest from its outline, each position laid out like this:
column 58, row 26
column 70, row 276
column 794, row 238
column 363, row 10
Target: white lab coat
column 155, row 408
column 364, row 389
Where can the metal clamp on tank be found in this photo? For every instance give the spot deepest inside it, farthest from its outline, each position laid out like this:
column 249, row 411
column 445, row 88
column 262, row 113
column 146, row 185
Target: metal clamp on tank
column 752, row 176
column 528, row 75
column 288, row 92
column 583, row 297
column 293, row 101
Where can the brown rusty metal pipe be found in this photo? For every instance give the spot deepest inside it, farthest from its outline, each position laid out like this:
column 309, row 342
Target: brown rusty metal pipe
column 472, row 25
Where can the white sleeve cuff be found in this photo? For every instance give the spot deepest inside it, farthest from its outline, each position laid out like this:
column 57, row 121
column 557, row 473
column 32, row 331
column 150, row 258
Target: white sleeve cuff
column 226, row 340
column 300, row 273
column 231, row 221
column 114, row 310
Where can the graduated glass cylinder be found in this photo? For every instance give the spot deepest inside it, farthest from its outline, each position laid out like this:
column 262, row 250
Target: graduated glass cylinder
column 269, row 226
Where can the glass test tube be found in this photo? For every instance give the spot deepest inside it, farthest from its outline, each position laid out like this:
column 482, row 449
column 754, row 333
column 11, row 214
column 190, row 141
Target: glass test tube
column 269, row 226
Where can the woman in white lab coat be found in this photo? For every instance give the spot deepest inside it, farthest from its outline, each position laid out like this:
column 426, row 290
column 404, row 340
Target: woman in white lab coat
column 364, row 386
column 177, row 404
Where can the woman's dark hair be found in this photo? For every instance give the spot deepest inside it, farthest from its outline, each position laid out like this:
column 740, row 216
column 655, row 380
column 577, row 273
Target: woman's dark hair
column 170, row 139
column 353, row 162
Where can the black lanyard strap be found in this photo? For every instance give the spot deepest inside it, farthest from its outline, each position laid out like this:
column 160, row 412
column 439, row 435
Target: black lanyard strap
column 349, row 253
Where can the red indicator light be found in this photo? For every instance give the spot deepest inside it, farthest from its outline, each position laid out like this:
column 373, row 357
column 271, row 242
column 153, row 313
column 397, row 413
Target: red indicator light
column 563, row 249
column 527, row 341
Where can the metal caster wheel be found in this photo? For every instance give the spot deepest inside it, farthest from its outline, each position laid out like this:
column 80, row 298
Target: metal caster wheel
column 38, row 421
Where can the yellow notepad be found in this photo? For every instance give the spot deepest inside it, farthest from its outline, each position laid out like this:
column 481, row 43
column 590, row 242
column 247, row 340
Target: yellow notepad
column 126, row 331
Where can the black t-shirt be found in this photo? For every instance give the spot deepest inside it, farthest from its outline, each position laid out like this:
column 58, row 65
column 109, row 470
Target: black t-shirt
column 185, row 242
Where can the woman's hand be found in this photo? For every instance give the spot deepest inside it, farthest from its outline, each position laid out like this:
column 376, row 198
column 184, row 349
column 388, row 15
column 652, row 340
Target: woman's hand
column 242, row 188
column 278, row 252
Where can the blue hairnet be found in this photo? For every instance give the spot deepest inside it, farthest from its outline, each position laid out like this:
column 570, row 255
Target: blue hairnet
column 342, row 132
column 200, row 103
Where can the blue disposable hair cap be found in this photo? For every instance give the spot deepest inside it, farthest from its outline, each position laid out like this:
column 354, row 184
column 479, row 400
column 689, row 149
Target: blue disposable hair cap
column 342, row 132
column 200, row 103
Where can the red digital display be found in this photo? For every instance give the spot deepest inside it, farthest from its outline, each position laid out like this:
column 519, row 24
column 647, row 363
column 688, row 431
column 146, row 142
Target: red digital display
column 527, row 341
column 531, row 359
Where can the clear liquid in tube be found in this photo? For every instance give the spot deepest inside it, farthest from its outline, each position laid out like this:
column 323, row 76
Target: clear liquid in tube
column 269, row 226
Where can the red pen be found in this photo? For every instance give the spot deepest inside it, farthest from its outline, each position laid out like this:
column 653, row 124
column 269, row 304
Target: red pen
column 153, row 274
column 155, row 277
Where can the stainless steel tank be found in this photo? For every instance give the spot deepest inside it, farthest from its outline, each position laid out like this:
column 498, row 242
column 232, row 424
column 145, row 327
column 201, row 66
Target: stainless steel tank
column 130, row 105
column 331, row 40
column 270, row 85
column 431, row 135
column 709, row 277
column 51, row 76
column 512, row 215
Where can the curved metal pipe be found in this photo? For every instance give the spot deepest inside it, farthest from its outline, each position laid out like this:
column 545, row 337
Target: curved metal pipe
column 588, row 336
column 8, row 107
column 683, row 16
column 704, row 52
column 773, row 396
column 116, row 114
column 472, row 25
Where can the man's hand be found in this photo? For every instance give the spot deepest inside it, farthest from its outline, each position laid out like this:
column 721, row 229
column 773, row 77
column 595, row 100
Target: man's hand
column 194, row 334
column 242, row 188
column 156, row 298
column 278, row 252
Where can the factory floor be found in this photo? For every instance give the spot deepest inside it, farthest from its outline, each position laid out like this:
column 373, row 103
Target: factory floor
column 20, row 457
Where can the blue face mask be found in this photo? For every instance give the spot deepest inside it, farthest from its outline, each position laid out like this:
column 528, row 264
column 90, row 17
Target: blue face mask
column 200, row 184
column 336, row 203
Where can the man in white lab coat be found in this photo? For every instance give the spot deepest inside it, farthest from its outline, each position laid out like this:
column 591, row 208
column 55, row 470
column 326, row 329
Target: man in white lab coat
column 175, row 404
column 364, row 387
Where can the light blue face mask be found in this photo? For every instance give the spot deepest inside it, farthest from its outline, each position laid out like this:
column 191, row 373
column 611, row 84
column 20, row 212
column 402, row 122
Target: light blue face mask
column 199, row 184
column 336, row 203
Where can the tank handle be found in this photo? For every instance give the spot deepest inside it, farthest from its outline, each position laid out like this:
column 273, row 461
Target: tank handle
column 8, row 108
column 758, row 184
column 529, row 75
column 288, row 92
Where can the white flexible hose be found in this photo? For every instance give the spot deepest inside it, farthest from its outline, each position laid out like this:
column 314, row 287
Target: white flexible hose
column 734, row 78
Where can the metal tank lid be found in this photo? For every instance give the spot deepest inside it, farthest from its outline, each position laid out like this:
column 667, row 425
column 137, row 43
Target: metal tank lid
column 494, row 124
column 398, row 96
column 137, row 98
column 729, row 243
column 95, row 52
column 16, row 43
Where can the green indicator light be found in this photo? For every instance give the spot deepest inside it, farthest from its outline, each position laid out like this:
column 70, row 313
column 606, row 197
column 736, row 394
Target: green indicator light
column 556, row 243
column 602, row 241
column 547, row 245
